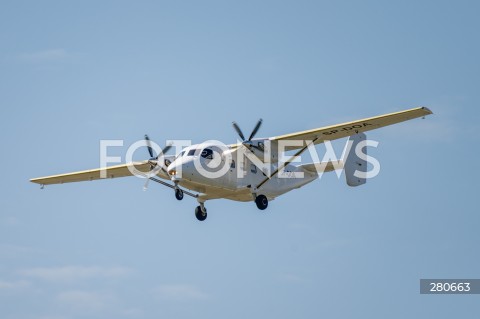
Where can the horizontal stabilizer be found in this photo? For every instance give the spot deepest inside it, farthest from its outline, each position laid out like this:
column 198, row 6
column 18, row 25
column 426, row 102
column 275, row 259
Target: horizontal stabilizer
column 322, row 167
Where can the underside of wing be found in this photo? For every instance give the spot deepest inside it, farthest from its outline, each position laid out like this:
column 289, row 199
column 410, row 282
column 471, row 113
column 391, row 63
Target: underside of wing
column 123, row 170
column 333, row 132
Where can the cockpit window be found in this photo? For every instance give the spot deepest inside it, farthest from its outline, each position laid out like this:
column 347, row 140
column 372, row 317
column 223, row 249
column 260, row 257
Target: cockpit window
column 191, row 152
column 207, row 153
column 181, row 154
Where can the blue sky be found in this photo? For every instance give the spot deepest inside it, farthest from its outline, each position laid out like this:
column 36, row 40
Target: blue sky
column 73, row 73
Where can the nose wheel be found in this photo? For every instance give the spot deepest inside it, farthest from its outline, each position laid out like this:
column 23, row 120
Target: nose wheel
column 201, row 212
column 178, row 194
column 261, row 201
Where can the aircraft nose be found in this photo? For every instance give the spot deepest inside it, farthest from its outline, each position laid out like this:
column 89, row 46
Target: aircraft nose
column 173, row 169
column 178, row 169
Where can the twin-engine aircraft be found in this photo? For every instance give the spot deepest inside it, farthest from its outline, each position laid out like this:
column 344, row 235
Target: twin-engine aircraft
column 255, row 169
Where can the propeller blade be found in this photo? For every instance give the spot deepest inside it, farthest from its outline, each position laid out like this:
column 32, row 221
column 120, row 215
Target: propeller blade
column 165, row 149
column 145, row 186
column 154, row 167
column 149, row 146
column 255, row 130
column 238, row 130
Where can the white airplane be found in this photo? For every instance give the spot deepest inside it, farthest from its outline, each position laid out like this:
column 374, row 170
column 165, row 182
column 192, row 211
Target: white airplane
column 240, row 177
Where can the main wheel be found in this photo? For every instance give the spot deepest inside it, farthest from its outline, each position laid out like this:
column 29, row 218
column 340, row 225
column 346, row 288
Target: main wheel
column 261, row 201
column 178, row 194
column 201, row 216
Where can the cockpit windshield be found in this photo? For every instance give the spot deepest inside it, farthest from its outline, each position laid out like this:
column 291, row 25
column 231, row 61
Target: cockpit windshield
column 193, row 152
column 180, row 155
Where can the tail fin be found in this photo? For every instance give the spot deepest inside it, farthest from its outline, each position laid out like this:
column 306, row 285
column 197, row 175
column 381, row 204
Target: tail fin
column 353, row 163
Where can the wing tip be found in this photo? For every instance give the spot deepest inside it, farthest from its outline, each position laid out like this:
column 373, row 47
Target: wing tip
column 427, row 110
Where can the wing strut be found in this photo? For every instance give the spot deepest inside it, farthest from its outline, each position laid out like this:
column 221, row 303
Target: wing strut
column 173, row 186
column 287, row 162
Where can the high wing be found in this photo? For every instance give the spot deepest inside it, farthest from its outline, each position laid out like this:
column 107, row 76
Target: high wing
column 94, row 174
column 333, row 132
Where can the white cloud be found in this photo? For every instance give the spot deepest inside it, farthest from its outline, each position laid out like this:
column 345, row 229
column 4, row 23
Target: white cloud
column 86, row 301
column 44, row 55
column 73, row 273
column 14, row 285
column 16, row 251
column 179, row 293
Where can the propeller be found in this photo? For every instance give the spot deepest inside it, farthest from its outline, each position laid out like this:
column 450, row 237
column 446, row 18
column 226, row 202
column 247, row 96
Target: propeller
column 154, row 159
column 150, row 148
column 252, row 135
column 255, row 129
column 149, row 145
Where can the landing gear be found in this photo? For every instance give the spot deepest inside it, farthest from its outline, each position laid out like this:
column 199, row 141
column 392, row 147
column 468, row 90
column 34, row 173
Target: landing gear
column 201, row 212
column 261, row 201
column 178, row 194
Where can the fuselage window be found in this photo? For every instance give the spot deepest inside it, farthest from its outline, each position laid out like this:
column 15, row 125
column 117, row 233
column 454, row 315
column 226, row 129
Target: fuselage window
column 207, row 153
column 253, row 169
